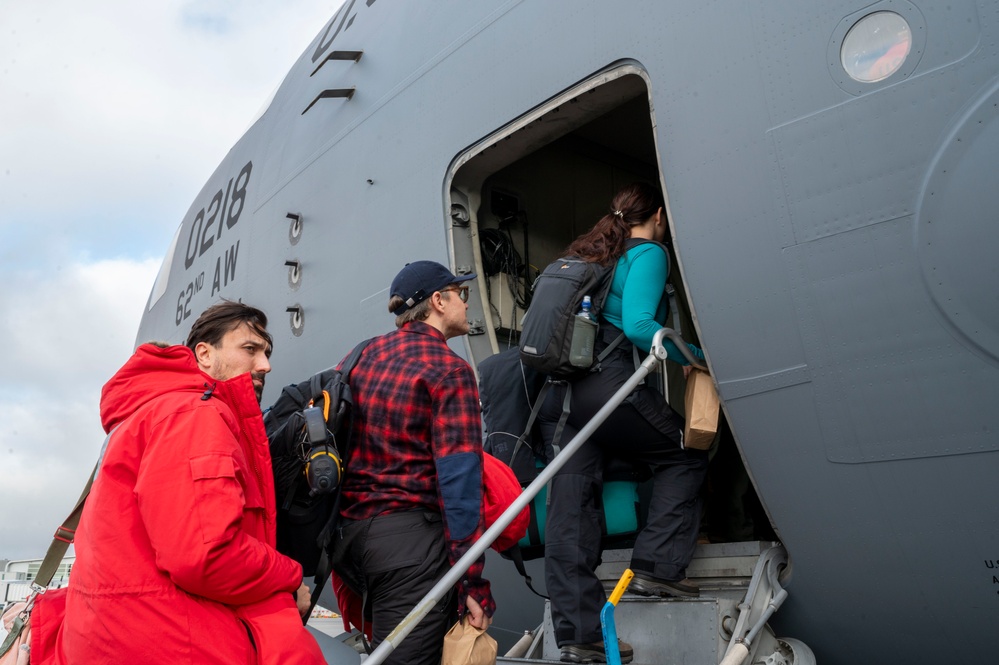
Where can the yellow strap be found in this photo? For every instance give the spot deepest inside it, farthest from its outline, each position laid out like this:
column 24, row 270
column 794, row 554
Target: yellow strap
column 326, row 406
column 622, row 585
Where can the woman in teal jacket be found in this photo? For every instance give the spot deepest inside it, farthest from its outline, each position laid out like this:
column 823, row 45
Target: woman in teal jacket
column 643, row 430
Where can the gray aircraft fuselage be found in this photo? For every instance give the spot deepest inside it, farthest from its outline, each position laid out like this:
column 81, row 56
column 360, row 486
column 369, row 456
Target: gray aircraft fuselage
column 832, row 237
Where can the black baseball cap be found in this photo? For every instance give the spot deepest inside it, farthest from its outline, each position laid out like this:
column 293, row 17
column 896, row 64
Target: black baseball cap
column 419, row 279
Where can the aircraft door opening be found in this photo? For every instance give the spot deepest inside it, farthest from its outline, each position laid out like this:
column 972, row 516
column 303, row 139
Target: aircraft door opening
column 519, row 197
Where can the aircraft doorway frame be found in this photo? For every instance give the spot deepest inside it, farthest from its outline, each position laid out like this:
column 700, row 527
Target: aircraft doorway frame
column 562, row 161
column 468, row 193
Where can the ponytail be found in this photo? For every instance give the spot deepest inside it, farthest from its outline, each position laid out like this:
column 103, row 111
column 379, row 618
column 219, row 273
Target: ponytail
column 605, row 242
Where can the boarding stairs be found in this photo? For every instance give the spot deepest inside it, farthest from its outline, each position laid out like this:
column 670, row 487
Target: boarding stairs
column 688, row 631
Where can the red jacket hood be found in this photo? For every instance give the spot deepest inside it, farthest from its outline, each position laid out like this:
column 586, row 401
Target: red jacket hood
column 153, row 371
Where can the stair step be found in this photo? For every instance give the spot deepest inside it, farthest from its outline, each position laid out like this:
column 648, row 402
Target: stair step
column 662, row 631
column 674, row 631
column 712, row 561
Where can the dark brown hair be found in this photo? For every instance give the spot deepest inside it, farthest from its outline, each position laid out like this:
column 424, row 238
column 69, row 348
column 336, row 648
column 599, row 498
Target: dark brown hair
column 631, row 206
column 222, row 317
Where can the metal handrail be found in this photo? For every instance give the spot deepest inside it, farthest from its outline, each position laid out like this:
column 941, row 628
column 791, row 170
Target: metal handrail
column 682, row 347
column 657, row 354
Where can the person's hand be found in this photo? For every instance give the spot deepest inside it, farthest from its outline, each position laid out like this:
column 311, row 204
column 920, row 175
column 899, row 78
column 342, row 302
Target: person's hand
column 476, row 615
column 303, row 598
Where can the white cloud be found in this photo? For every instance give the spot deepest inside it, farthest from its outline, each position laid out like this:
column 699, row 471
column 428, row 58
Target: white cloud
column 133, row 105
column 69, row 325
column 64, row 335
column 114, row 115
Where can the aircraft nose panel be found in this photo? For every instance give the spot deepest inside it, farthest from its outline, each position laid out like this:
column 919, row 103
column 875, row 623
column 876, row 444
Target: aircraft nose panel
column 957, row 227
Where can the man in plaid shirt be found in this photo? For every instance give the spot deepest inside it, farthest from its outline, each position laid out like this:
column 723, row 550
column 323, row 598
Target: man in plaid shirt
column 412, row 493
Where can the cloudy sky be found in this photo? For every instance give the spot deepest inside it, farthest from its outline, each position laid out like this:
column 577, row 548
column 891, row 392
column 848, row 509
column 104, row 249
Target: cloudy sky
column 112, row 116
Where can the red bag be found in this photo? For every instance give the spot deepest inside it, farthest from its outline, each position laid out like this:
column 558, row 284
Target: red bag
column 500, row 488
column 349, row 604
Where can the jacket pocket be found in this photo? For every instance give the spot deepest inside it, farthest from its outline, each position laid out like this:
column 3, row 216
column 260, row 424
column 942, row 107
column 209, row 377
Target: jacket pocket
column 218, row 495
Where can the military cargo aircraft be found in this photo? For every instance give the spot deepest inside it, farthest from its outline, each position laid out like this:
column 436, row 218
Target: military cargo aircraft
column 829, row 170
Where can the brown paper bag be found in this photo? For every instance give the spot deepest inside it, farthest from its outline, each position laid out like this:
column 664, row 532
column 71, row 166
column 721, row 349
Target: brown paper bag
column 465, row 644
column 701, row 406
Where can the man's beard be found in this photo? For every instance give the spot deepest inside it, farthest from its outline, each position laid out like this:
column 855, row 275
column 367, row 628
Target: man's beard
column 258, row 389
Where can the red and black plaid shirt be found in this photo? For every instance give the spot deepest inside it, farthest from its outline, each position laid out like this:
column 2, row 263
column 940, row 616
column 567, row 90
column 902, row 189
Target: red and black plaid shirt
column 417, row 411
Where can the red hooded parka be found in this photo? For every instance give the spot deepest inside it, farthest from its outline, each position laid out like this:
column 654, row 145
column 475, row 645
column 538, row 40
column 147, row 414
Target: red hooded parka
column 175, row 559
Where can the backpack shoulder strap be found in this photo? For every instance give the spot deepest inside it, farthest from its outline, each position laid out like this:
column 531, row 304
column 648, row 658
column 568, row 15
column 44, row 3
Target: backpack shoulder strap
column 351, row 361
column 530, row 420
column 316, row 381
column 325, row 562
column 605, row 289
column 518, row 561
column 605, row 286
column 631, row 243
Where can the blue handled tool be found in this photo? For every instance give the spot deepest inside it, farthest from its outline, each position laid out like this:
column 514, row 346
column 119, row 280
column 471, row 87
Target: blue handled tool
column 611, row 650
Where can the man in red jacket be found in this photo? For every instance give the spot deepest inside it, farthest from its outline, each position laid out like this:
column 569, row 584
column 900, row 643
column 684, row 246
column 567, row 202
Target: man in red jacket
column 175, row 557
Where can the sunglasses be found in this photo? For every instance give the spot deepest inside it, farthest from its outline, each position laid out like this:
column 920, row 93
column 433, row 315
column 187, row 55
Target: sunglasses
column 462, row 292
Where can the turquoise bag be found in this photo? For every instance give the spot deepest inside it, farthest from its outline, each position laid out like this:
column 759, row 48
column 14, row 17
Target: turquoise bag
column 622, row 516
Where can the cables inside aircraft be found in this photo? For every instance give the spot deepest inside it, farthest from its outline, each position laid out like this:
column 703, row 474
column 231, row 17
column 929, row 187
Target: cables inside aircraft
column 500, row 256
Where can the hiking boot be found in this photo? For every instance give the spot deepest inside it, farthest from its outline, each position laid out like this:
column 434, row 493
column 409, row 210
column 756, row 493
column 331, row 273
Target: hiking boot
column 646, row 585
column 594, row 653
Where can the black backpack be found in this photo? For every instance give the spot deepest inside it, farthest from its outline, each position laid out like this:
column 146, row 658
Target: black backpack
column 309, row 427
column 546, row 336
column 508, row 389
column 547, row 330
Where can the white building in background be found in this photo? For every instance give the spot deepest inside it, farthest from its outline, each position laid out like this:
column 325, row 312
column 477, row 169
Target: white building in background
column 17, row 575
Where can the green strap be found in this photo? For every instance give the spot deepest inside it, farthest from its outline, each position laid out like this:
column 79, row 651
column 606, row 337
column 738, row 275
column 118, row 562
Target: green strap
column 65, row 534
column 63, row 537
column 15, row 632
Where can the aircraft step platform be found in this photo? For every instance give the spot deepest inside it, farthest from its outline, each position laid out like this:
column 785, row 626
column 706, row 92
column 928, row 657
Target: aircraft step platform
column 687, row 631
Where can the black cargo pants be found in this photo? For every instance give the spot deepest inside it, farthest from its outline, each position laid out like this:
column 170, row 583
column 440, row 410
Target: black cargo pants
column 644, row 429
column 392, row 561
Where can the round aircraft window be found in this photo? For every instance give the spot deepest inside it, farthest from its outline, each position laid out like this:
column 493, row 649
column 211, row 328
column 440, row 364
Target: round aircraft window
column 876, row 47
